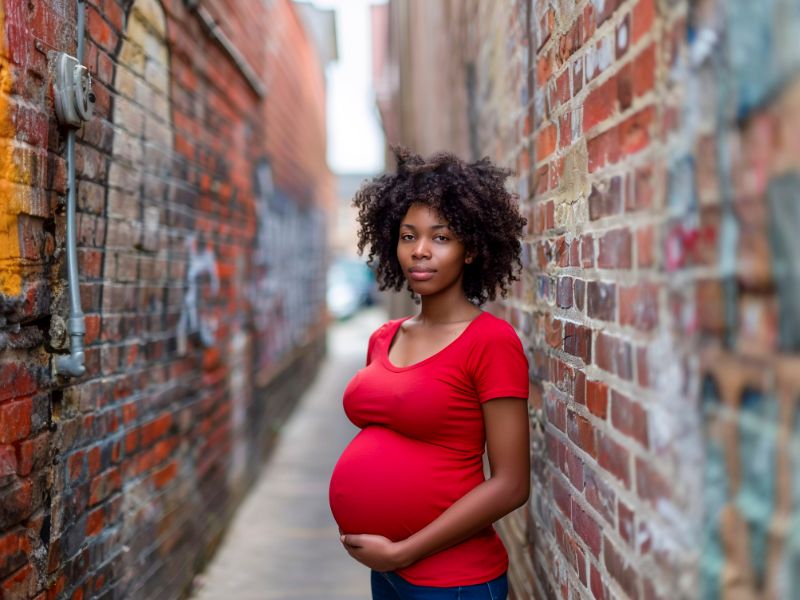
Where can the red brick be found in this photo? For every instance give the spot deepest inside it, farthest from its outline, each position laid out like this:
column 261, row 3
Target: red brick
column 560, row 91
column 550, row 215
column 600, row 104
column 710, row 305
column 641, row 189
column 604, row 149
column 649, row 484
column 581, row 432
column 561, row 496
column 597, row 398
column 541, row 180
column 553, row 332
column 604, row 10
column 601, row 300
column 16, row 380
column 634, row 132
column 556, row 410
column 564, row 292
column 614, row 355
column 93, row 461
column 621, row 570
column 625, row 88
column 597, row 585
column 642, row 367
column 599, row 494
column 623, row 36
column 645, row 247
column 546, row 24
column 614, row 458
column 586, row 528
column 104, row 485
column 546, row 142
column 579, row 388
column 575, row 253
column 626, row 525
column 15, row 420
column 556, row 450
column 643, row 71
column 164, row 476
column 14, row 549
column 638, row 306
column 33, row 453
column 99, row 30
column 579, row 294
column 8, row 463
column 19, row 585
column 577, row 75
column 155, row 429
column 644, row 14
column 606, row 202
column 561, row 252
column 95, row 522
column 587, row 251
column 615, row 249
column 574, row 469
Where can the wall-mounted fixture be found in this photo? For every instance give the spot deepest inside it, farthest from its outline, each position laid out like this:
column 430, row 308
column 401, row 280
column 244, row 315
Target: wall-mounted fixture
column 72, row 91
column 74, row 100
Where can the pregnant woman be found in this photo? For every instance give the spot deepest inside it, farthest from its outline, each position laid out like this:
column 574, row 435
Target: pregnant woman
column 409, row 492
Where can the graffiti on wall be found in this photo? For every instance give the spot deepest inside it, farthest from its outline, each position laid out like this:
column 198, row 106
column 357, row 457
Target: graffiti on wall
column 732, row 193
column 195, row 323
column 288, row 289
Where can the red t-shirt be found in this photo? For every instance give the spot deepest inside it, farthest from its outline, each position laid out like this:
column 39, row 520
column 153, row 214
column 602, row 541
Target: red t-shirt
column 421, row 444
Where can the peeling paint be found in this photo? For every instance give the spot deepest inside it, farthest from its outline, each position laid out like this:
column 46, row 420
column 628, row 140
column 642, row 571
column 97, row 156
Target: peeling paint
column 13, row 196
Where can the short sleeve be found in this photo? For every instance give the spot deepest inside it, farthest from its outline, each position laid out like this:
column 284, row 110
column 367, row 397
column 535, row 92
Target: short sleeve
column 498, row 364
column 371, row 345
column 373, row 340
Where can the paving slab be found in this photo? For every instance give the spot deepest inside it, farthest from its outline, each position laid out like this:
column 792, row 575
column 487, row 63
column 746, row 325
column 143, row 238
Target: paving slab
column 283, row 542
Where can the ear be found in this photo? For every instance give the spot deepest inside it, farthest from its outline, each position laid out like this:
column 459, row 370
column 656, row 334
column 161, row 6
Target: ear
column 469, row 258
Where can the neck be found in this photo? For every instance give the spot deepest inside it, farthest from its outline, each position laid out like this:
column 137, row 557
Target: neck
column 447, row 306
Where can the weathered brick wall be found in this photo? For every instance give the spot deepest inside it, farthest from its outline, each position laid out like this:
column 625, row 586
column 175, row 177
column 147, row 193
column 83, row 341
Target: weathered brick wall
column 655, row 144
column 192, row 196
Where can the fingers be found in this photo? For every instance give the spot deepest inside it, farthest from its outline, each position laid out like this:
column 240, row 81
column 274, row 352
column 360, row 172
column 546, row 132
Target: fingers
column 351, row 539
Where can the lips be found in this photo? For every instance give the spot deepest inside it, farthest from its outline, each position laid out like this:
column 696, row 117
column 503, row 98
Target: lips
column 420, row 273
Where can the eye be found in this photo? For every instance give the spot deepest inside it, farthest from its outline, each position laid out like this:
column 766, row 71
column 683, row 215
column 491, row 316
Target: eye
column 406, row 237
column 439, row 236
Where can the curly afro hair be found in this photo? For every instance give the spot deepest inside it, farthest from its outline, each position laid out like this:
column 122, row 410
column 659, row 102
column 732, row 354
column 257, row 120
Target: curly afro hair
column 470, row 196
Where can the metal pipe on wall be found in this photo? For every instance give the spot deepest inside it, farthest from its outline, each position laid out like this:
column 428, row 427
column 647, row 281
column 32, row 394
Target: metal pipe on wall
column 73, row 364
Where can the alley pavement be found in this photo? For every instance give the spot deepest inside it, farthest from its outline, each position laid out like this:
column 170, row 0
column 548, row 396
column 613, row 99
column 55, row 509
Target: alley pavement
column 283, row 542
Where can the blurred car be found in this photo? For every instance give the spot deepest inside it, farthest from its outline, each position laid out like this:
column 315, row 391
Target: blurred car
column 350, row 286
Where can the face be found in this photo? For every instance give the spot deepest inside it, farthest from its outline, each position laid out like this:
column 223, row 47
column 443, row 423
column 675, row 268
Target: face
column 431, row 257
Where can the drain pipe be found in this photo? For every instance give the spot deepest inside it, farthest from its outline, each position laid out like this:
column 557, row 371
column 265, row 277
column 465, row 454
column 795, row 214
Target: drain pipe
column 73, row 364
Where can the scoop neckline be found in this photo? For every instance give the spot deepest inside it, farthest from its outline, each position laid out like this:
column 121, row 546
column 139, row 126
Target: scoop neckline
column 393, row 332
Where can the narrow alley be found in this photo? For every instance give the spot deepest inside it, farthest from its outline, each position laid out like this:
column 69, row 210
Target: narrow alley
column 283, row 541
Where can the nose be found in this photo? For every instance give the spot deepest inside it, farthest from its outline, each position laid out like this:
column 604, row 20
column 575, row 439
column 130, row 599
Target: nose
column 421, row 249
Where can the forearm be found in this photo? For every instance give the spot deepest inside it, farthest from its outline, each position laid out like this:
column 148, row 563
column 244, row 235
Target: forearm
column 478, row 508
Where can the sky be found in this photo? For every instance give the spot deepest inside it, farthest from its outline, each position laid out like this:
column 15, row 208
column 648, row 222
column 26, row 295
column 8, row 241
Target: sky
column 355, row 139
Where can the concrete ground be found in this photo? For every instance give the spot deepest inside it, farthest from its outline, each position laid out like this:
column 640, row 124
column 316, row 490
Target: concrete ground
column 283, row 542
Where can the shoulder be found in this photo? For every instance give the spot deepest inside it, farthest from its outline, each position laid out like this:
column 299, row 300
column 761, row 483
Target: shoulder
column 493, row 336
column 385, row 328
column 493, row 327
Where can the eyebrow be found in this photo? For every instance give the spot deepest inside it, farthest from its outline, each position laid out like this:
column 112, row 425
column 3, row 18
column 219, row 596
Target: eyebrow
column 432, row 226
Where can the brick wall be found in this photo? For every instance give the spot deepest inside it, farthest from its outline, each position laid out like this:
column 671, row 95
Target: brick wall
column 193, row 192
column 654, row 143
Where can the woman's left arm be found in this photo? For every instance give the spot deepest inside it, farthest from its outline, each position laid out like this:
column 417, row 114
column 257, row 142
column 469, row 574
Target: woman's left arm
column 508, row 487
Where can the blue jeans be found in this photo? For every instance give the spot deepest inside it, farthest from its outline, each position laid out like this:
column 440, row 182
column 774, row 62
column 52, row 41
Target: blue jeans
column 390, row 586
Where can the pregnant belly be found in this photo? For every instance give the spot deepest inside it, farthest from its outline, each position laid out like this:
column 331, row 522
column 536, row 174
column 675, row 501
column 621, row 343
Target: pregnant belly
column 388, row 484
